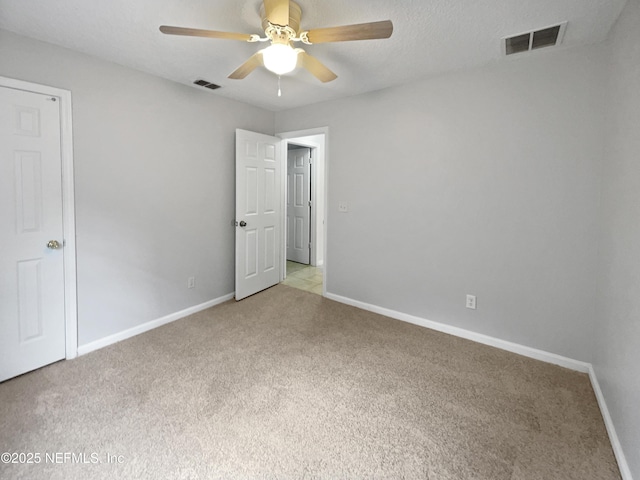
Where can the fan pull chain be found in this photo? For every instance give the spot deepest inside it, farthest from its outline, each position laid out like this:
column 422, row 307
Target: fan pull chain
column 279, row 89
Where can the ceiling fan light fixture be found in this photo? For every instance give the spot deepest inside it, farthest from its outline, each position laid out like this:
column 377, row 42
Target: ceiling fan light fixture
column 281, row 24
column 280, row 58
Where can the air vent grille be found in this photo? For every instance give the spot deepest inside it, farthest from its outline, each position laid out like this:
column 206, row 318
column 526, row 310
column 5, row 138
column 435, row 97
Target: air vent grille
column 545, row 38
column 517, row 44
column 206, row 84
column 525, row 42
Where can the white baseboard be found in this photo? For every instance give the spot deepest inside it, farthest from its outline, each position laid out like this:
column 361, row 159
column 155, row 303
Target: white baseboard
column 145, row 327
column 541, row 355
column 625, row 471
column 469, row 335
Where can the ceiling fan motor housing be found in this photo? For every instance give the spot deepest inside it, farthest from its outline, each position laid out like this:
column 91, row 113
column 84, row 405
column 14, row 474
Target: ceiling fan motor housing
column 295, row 14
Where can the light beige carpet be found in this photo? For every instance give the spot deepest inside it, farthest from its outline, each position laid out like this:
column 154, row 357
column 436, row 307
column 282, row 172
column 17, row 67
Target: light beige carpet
column 288, row 385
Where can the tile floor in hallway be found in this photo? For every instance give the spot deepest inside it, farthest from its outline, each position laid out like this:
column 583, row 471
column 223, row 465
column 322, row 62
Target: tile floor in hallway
column 304, row 277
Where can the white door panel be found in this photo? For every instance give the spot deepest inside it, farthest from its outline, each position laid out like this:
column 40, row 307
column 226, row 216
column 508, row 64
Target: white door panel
column 298, row 207
column 258, row 206
column 32, row 323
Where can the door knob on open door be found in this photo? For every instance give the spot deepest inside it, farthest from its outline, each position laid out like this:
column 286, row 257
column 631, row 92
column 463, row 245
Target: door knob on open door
column 53, row 244
column 243, row 223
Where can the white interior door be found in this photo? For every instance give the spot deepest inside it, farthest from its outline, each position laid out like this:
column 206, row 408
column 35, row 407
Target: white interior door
column 32, row 322
column 298, row 205
column 258, row 212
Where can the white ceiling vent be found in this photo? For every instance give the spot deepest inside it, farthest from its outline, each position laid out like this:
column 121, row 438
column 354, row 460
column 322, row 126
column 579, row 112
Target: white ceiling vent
column 525, row 42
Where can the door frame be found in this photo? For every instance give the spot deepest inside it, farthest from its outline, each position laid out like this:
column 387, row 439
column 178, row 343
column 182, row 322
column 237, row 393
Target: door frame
column 68, row 205
column 291, row 137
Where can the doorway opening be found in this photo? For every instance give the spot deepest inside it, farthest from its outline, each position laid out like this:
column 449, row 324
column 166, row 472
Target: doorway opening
column 304, row 232
column 304, row 277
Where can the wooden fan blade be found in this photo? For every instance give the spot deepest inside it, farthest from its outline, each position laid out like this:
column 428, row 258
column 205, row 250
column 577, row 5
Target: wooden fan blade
column 247, row 67
column 362, row 31
column 316, row 67
column 194, row 32
column 277, row 11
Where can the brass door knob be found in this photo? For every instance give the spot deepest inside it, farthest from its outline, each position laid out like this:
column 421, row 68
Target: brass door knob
column 243, row 223
column 53, row 244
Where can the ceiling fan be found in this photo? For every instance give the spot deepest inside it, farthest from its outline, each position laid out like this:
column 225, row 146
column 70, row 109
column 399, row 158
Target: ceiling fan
column 281, row 23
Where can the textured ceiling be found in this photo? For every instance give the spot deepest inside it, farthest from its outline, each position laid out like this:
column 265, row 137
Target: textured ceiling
column 430, row 37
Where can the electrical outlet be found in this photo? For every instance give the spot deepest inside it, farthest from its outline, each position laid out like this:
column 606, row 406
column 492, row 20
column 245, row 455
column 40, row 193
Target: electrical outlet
column 343, row 207
column 191, row 282
column 471, row 302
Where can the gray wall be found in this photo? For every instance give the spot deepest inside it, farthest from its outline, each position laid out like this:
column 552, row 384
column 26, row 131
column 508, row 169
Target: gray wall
column 483, row 182
column 155, row 191
column 617, row 358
